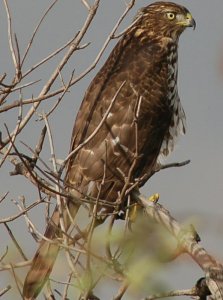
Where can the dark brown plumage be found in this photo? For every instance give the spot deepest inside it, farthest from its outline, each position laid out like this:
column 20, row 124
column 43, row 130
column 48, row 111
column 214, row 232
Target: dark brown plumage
column 146, row 118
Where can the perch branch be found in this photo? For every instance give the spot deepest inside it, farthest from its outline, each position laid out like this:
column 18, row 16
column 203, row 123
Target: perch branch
column 188, row 242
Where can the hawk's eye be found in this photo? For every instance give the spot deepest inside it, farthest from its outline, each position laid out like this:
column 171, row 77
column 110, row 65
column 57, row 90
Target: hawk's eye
column 171, row 15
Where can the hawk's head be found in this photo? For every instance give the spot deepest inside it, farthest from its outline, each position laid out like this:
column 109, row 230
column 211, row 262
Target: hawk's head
column 164, row 19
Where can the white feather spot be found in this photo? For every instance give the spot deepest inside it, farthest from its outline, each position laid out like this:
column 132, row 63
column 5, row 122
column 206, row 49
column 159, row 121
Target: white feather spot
column 90, row 187
column 116, row 141
column 124, row 148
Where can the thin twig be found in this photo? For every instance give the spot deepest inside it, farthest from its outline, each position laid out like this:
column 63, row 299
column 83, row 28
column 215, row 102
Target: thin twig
column 5, row 290
column 90, row 233
column 173, row 165
column 2, row 198
column 65, row 242
column 66, row 87
column 1, row 80
column 18, row 71
column 86, row 4
column 16, row 280
column 4, row 254
column 67, row 285
column 51, row 55
column 25, row 85
column 140, row 181
column 8, row 150
column 5, row 267
column 121, row 291
column 55, row 74
column 35, row 31
column 23, row 212
column 87, row 140
column 57, row 188
column 39, row 146
column 10, row 34
column 42, row 97
column 15, row 242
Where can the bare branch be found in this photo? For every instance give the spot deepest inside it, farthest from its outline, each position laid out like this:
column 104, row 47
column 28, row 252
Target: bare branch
column 10, row 34
column 1, row 80
column 2, row 198
column 121, row 291
column 5, row 290
column 35, row 31
column 12, row 218
column 42, row 96
column 17, row 281
column 86, row 4
column 25, row 85
column 55, row 74
column 177, row 293
column 96, row 129
column 57, row 188
column 187, row 240
column 4, row 267
column 7, row 151
column 53, row 54
column 109, row 38
column 200, row 291
column 66, row 87
column 4, row 254
column 15, row 242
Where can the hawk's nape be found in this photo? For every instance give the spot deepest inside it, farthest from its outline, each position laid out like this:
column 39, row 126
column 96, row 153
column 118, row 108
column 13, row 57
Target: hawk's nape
column 145, row 118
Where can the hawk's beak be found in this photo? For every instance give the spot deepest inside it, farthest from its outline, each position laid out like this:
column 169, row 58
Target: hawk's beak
column 190, row 22
column 187, row 21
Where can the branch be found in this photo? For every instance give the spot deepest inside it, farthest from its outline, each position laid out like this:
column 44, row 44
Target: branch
column 35, row 31
column 5, row 290
column 121, row 291
column 188, row 242
column 111, row 36
column 177, row 293
column 87, row 140
column 7, row 152
column 200, row 290
column 10, row 34
column 58, row 69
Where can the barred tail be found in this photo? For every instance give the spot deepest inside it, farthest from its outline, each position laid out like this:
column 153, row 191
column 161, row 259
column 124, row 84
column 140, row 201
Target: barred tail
column 46, row 255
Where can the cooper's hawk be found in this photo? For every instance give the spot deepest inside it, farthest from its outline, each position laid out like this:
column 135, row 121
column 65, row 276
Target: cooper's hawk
column 140, row 77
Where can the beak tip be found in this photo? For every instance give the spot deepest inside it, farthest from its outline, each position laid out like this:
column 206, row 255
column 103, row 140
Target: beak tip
column 190, row 21
column 193, row 23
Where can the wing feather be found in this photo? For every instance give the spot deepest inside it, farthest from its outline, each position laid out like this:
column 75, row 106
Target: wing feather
column 143, row 68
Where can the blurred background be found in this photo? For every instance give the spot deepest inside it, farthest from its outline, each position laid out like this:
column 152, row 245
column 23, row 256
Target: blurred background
column 193, row 194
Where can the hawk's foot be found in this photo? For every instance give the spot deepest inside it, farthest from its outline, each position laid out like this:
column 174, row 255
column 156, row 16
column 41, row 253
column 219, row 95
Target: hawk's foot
column 154, row 198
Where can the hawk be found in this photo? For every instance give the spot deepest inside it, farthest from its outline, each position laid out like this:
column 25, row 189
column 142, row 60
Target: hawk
column 130, row 116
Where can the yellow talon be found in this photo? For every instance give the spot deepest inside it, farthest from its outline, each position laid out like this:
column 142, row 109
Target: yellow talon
column 134, row 209
column 154, row 198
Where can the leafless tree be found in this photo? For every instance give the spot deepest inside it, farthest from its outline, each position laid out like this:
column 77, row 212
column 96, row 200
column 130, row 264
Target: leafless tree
column 95, row 251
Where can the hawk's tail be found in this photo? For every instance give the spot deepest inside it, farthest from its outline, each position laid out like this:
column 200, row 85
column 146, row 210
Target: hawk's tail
column 46, row 254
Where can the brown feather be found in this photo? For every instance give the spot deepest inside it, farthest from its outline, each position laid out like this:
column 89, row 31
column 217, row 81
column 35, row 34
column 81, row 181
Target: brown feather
column 144, row 61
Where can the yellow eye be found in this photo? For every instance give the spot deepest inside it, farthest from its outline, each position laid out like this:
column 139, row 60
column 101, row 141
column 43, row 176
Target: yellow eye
column 171, row 16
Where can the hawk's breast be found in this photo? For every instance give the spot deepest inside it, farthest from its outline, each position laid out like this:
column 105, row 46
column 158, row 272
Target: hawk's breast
column 178, row 121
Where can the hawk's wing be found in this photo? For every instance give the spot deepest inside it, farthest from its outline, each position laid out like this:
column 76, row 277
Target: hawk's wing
column 142, row 68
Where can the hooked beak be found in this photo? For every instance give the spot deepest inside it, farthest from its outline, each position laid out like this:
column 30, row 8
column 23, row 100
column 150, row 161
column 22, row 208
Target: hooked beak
column 187, row 21
column 190, row 21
